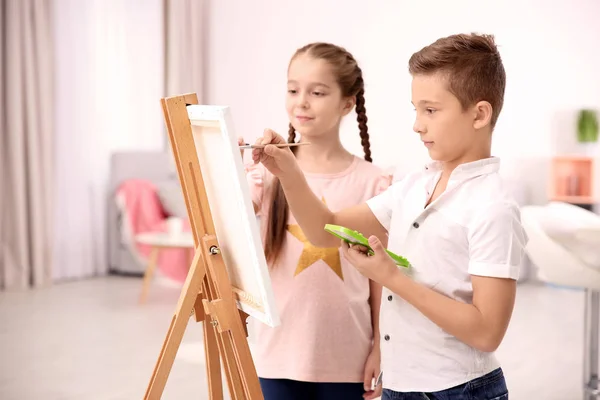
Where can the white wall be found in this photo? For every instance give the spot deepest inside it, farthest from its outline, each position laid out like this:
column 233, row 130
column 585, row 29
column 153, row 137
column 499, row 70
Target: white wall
column 550, row 51
column 109, row 81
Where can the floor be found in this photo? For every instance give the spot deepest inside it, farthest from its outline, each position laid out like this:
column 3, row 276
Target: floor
column 91, row 340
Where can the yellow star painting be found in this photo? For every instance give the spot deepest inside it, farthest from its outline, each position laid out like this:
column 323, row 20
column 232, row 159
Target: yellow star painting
column 311, row 254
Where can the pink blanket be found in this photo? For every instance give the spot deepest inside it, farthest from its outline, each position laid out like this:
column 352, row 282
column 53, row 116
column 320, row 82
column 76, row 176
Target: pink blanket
column 143, row 212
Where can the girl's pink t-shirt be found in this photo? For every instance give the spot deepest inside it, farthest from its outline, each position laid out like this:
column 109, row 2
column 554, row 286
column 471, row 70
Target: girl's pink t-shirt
column 326, row 329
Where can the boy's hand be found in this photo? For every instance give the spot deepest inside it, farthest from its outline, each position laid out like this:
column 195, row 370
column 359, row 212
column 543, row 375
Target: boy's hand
column 372, row 369
column 378, row 267
column 279, row 161
column 241, row 142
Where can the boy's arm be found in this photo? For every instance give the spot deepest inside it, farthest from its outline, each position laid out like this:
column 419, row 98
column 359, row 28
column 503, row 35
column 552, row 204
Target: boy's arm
column 481, row 325
column 496, row 249
column 312, row 214
column 251, row 183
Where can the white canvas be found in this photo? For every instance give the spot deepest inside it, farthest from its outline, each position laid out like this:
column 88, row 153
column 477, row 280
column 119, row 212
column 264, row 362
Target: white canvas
column 232, row 210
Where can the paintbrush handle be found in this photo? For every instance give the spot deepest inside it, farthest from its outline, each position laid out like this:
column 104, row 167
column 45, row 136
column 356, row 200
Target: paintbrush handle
column 262, row 146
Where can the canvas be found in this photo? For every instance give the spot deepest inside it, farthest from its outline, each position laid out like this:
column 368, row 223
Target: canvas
column 232, row 211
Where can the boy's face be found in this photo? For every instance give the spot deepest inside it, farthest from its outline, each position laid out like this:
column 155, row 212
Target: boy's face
column 449, row 132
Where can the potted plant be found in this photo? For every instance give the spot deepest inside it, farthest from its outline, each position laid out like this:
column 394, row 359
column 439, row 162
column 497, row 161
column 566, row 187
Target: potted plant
column 587, row 131
column 587, row 126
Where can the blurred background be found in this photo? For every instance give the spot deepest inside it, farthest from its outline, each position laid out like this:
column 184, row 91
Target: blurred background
column 90, row 200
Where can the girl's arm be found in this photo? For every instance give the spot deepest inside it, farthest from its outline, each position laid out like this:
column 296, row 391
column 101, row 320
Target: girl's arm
column 375, row 302
column 373, row 362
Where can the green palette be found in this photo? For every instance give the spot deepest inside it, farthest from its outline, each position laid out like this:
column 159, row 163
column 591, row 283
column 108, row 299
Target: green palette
column 354, row 237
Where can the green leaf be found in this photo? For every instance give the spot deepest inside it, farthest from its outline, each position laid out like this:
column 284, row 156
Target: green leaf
column 587, row 126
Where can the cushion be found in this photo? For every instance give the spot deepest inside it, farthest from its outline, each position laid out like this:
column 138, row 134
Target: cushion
column 171, row 197
column 565, row 223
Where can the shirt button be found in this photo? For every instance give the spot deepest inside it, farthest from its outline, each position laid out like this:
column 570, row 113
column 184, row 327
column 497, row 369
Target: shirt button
column 416, row 224
column 387, row 337
column 390, row 298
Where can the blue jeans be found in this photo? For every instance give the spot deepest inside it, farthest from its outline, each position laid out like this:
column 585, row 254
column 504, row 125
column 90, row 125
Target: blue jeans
column 488, row 387
column 285, row 389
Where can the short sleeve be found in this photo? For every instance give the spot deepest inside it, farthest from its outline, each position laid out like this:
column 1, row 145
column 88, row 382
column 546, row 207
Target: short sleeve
column 382, row 205
column 497, row 242
column 382, row 184
column 255, row 175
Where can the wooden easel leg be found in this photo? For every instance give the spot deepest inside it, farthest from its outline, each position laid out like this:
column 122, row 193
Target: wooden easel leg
column 234, row 378
column 223, row 340
column 188, row 296
column 211, row 349
column 230, row 324
column 149, row 274
column 215, row 345
column 213, row 366
column 244, row 358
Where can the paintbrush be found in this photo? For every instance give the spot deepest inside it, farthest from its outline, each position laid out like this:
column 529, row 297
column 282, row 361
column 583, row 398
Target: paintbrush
column 262, row 146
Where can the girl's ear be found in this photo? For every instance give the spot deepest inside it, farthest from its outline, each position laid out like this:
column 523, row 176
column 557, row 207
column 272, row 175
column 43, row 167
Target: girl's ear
column 349, row 104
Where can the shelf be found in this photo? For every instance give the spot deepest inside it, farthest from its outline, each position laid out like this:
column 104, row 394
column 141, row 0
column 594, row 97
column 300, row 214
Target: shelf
column 574, row 199
column 572, row 158
column 572, row 179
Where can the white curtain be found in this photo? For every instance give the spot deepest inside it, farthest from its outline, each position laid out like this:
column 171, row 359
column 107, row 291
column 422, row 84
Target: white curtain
column 109, row 79
column 115, row 59
column 185, row 43
column 26, row 113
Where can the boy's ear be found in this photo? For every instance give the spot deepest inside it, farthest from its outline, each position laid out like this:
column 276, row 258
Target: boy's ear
column 483, row 114
column 349, row 104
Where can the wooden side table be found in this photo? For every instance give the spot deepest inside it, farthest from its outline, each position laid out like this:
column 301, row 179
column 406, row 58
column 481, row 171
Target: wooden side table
column 158, row 241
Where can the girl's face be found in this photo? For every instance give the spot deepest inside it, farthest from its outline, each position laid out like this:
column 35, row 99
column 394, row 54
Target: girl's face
column 314, row 101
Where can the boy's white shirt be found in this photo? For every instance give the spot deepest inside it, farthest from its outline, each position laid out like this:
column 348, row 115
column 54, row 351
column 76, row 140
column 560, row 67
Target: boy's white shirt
column 472, row 228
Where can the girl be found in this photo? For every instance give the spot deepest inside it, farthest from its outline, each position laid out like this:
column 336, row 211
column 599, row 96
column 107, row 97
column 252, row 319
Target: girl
column 327, row 346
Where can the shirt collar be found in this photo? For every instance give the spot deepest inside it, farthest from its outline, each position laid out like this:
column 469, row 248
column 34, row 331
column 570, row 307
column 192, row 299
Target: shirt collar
column 468, row 170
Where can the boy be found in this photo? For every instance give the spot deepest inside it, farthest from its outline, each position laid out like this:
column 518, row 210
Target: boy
column 453, row 220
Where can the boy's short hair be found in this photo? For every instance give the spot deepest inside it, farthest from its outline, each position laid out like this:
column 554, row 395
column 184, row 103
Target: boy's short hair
column 473, row 67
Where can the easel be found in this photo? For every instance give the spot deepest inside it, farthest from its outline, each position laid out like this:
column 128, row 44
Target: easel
column 207, row 291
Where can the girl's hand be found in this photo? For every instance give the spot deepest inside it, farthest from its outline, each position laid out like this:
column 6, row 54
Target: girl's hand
column 378, row 267
column 279, row 161
column 372, row 369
